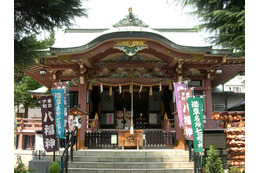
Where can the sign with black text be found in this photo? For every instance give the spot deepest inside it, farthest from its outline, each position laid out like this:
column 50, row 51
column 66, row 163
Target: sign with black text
column 50, row 142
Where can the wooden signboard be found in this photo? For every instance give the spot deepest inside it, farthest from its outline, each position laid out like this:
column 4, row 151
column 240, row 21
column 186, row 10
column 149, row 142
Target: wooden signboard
column 125, row 139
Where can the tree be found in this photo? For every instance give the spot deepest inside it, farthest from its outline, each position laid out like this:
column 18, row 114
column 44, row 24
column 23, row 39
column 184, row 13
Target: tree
column 21, row 95
column 224, row 17
column 213, row 162
column 31, row 17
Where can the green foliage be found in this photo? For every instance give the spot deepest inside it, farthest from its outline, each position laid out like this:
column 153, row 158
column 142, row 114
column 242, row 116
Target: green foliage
column 31, row 17
column 21, row 95
column 26, row 49
column 54, row 168
column 20, row 167
column 213, row 162
column 234, row 170
column 225, row 17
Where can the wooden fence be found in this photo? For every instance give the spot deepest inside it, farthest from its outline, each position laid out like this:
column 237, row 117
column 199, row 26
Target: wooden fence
column 151, row 139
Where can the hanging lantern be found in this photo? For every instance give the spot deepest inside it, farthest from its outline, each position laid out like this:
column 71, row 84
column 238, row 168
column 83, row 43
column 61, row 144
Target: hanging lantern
column 151, row 91
column 90, row 86
column 110, row 91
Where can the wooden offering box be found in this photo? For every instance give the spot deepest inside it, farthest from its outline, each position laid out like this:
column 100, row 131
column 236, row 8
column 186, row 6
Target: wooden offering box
column 125, row 139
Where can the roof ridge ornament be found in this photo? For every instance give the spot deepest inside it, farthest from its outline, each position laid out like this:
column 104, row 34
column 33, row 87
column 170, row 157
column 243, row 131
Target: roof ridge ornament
column 130, row 20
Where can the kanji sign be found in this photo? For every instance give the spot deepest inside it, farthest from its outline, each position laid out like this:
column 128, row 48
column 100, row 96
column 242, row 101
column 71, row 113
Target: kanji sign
column 50, row 142
column 196, row 114
column 184, row 95
column 58, row 95
column 177, row 88
column 65, row 88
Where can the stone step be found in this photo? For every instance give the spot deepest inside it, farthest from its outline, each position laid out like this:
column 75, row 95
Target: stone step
column 107, row 170
column 129, row 165
column 130, row 159
column 135, row 153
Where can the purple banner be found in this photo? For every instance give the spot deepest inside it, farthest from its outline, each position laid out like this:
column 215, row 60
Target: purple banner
column 184, row 95
column 177, row 88
column 50, row 142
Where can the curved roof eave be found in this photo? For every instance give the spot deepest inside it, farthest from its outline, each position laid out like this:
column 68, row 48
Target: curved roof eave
column 131, row 32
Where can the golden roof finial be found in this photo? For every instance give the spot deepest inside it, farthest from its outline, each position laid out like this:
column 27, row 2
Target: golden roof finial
column 130, row 10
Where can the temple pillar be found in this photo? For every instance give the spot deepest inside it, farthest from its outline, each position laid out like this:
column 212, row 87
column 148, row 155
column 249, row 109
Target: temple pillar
column 82, row 100
column 208, row 98
column 20, row 141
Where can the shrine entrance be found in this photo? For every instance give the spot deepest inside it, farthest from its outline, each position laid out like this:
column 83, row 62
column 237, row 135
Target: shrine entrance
column 115, row 110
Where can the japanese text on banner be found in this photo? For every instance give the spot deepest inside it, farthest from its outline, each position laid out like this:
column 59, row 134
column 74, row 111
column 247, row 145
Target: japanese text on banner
column 184, row 95
column 50, row 142
column 177, row 88
column 65, row 87
column 59, row 111
column 196, row 114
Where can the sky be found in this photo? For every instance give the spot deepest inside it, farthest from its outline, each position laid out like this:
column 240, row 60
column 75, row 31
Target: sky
column 155, row 13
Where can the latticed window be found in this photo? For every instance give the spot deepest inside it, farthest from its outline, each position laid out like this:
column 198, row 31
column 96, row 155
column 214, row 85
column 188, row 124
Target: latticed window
column 74, row 99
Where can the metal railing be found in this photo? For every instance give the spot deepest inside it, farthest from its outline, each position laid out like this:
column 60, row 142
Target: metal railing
column 64, row 156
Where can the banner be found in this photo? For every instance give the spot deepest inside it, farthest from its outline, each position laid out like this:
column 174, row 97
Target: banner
column 184, row 95
column 50, row 142
column 196, row 114
column 177, row 88
column 58, row 95
column 65, row 87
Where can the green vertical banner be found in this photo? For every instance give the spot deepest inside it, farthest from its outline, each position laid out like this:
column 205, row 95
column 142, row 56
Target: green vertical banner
column 196, row 115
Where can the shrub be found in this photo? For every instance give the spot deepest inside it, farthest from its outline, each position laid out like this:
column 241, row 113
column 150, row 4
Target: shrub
column 213, row 162
column 55, row 167
column 21, row 168
column 234, row 170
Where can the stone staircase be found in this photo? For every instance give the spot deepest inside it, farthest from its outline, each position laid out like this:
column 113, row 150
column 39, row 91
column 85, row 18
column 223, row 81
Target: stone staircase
column 130, row 161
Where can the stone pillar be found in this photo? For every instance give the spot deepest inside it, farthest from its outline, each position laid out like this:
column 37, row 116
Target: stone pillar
column 82, row 100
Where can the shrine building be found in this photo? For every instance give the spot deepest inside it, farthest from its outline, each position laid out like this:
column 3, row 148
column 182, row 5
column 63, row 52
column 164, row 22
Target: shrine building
column 131, row 67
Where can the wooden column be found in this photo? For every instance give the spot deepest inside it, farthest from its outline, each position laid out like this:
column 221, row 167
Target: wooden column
column 82, row 100
column 20, row 141
column 208, row 98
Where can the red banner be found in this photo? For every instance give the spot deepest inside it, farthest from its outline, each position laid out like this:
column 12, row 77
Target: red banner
column 50, row 142
column 184, row 95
